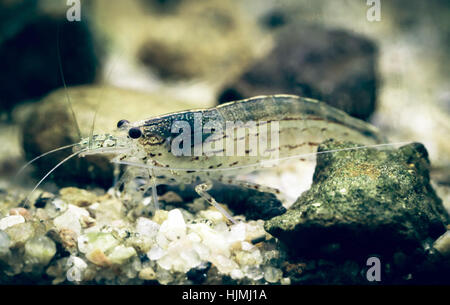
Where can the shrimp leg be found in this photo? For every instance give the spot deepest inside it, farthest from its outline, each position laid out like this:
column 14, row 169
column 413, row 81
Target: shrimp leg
column 202, row 190
column 251, row 185
column 152, row 185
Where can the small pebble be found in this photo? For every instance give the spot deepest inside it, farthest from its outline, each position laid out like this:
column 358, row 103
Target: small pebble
column 40, row 249
column 10, row 221
column 147, row 274
column 174, row 227
column 5, row 242
column 198, row 275
column 442, row 244
column 155, row 253
column 272, row 275
column 146, row 227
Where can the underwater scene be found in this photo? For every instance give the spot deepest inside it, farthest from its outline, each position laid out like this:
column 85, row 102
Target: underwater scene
column 237, row 142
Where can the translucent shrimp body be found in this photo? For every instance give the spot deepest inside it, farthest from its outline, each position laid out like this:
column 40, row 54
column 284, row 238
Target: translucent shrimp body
column 301, row 125
column 228, row 140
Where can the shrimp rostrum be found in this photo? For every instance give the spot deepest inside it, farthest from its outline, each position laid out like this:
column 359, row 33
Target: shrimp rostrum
column 220, row 143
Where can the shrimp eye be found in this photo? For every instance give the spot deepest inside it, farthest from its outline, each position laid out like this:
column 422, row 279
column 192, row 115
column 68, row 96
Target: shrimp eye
column 134, row 133
column 122, row 122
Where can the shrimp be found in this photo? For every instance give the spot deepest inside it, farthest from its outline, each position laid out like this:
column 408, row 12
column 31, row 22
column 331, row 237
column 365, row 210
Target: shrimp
column 216, row 144
column 220, row 143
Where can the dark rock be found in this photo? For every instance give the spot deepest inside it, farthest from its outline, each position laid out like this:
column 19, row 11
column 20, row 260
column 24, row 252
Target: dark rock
column 366, row 200
column 198, row 275
column 335, row 66
column 29, row 68
column 43, row 199
column 143, row 258
column 251, row 203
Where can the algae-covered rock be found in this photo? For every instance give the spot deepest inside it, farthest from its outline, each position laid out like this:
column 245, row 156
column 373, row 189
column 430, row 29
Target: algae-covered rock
column 364, row 200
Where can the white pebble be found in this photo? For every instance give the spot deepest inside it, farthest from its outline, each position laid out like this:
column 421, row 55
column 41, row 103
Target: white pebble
column 212, row 215
column 202, row 251
column 253, row 272
column 167, row 262
column 237, row 232
column 193, row 237
column 146, row 227
column 162, row 241
column 212, row 239
column 224, row 264
column 191, row 258
column 156, row 253
column 70, row 219
column 246, row 246
column 285, row 281
column 10, row 221
column 272, row 275
column 59, row 205
column 174, row 227
column 76, row 269
column 236, row 274
column 74, row 274
column 147, row 201
column 75, row 261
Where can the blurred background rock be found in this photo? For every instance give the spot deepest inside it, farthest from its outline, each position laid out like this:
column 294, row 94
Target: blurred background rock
column 333, row 66
column 31, row 32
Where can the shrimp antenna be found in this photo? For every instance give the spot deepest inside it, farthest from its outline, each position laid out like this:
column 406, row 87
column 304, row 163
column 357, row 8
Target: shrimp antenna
column 50, row 172
column 64, row 82
column 97, row 106
column 40, row 156
column 154, row 194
